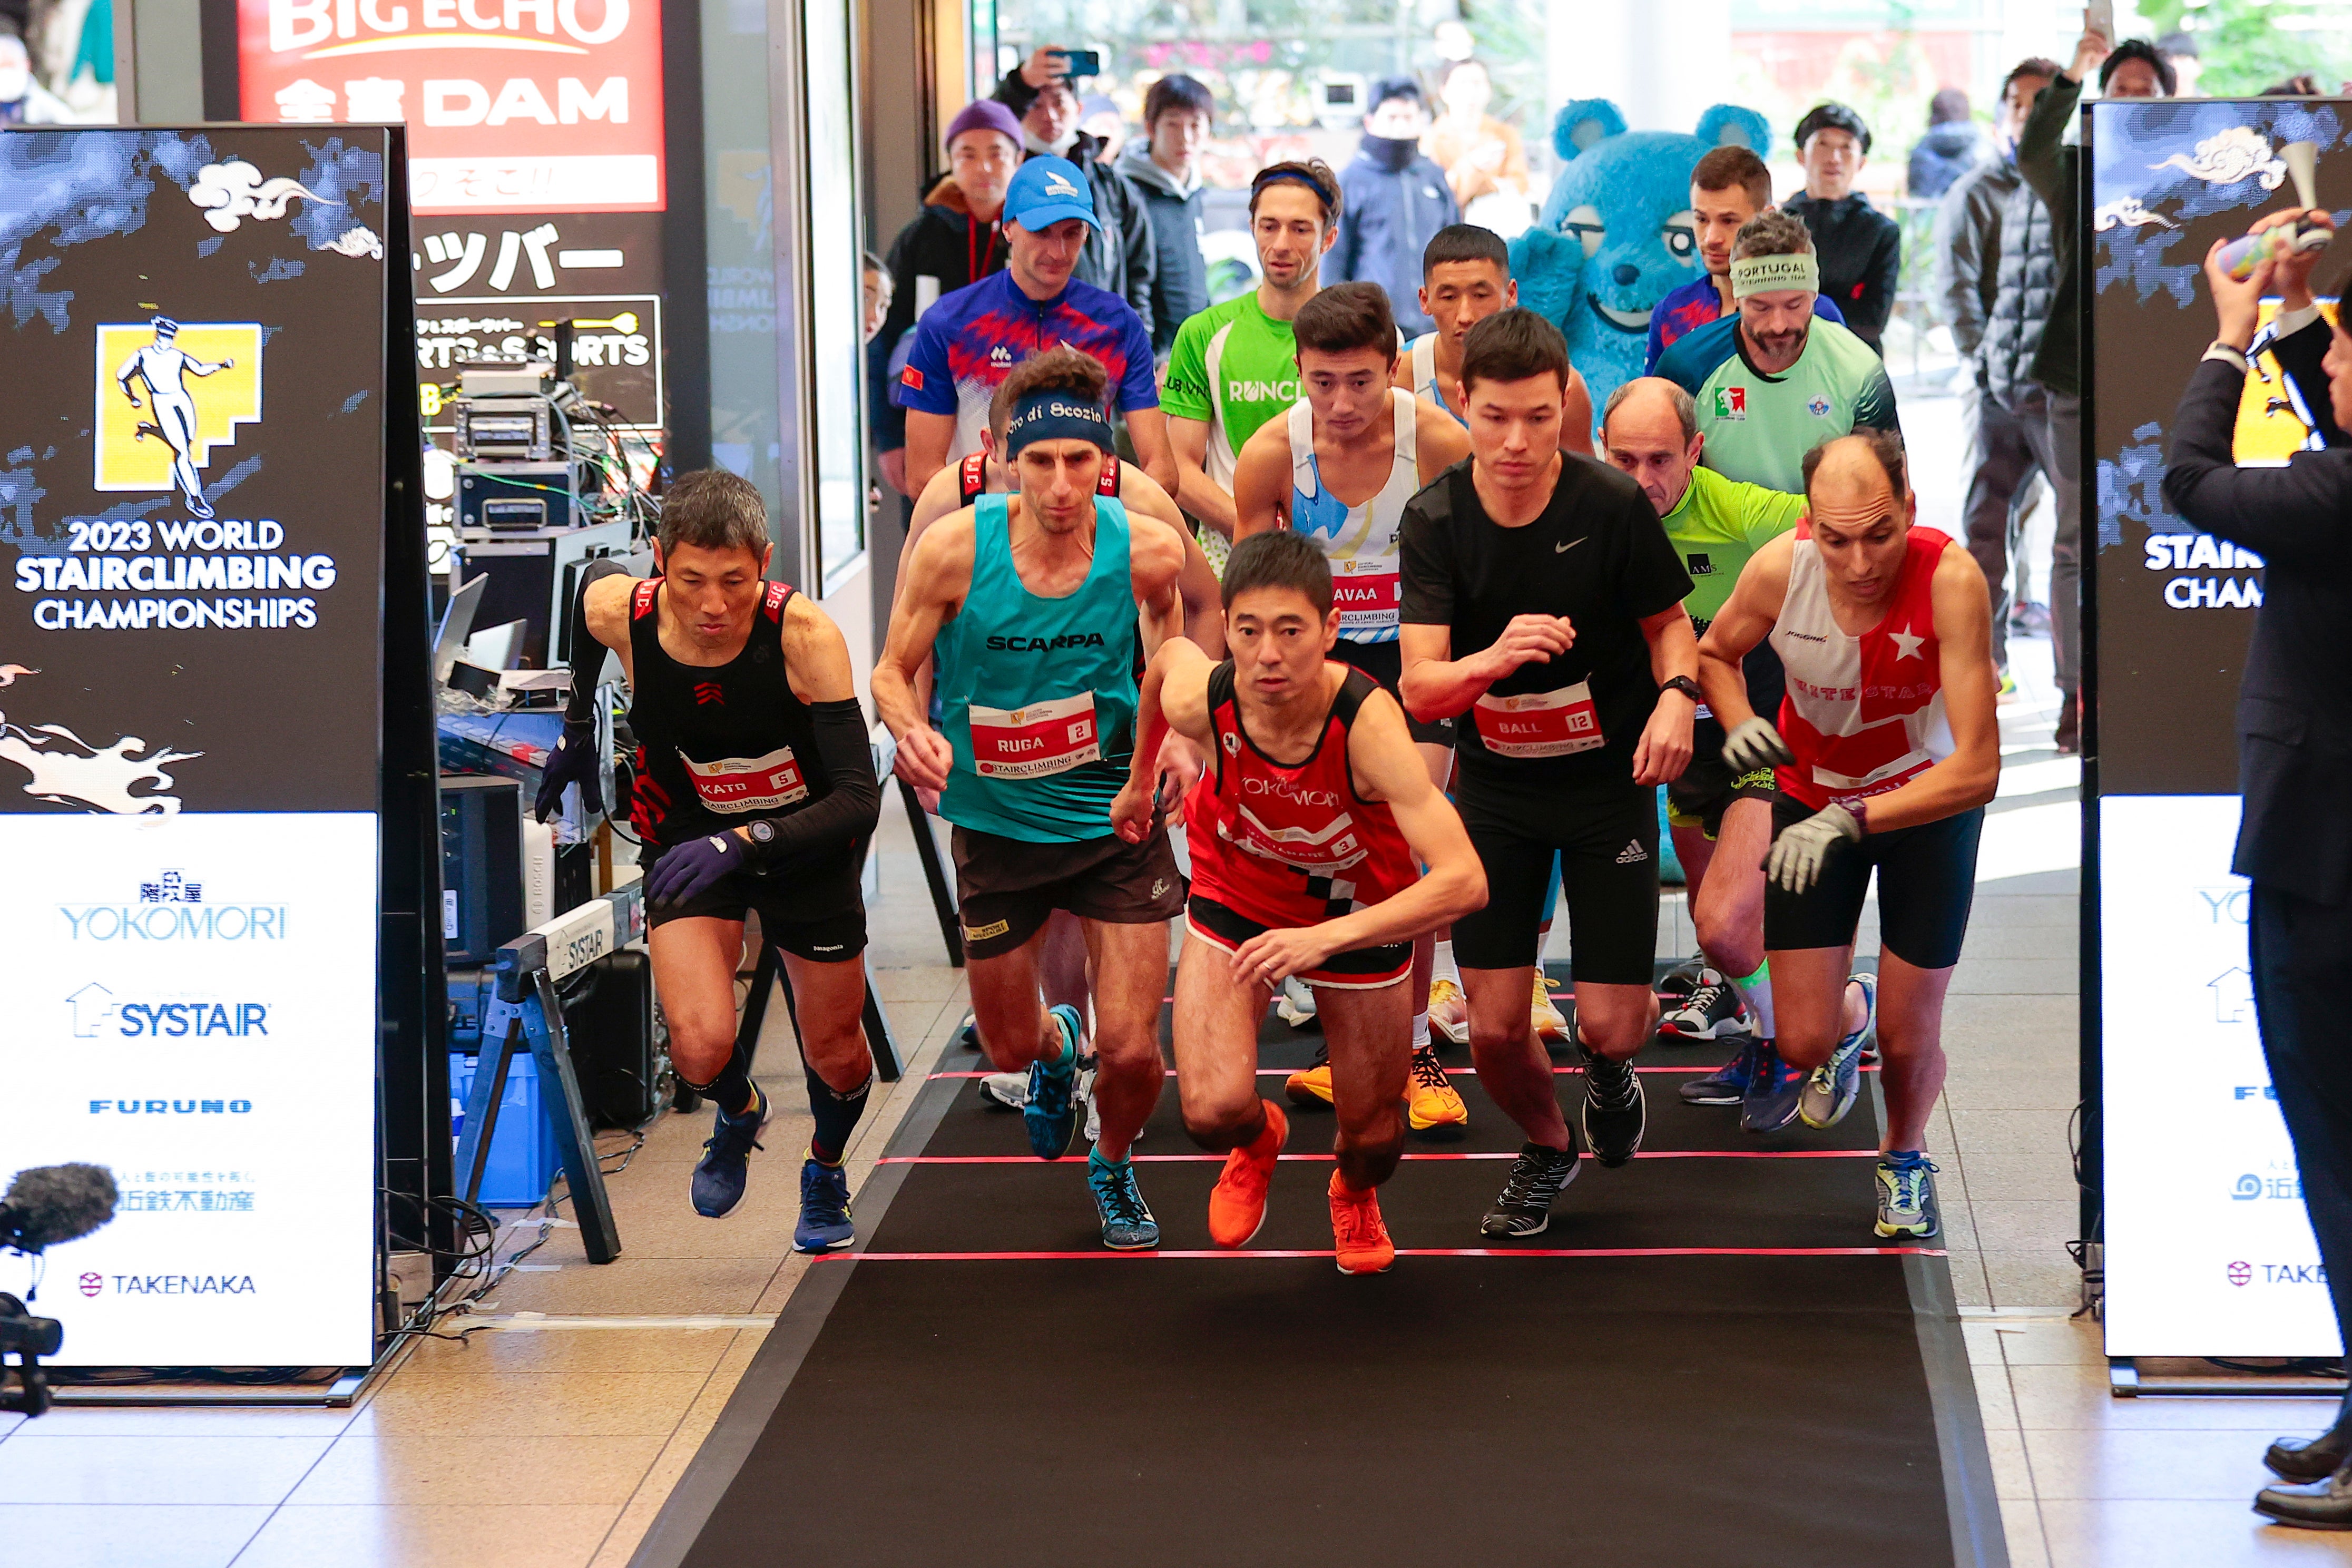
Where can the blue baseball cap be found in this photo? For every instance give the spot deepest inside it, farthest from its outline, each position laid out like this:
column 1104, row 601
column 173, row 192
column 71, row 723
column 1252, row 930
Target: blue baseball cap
column 1047, row 189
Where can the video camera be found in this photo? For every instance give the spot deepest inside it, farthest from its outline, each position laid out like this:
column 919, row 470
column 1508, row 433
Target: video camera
column 44, row 1206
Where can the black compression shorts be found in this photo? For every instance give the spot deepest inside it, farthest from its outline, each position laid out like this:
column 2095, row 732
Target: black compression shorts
column 1708, row 786
column 1607, row 838
column 1384, row 662
column 1927, row 881
column 783, row 904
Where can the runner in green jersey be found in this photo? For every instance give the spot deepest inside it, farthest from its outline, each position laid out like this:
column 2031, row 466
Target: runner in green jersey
column 1235, row 365
column 1721, row 820
column 1772, row 383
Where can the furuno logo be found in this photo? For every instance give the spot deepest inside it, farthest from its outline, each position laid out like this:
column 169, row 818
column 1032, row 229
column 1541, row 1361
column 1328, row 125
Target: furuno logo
column 184, row 1284
column 92, row 1284
column 170, row 1107
column 96, row 1012
column 2253, row 1091
column 170, row 908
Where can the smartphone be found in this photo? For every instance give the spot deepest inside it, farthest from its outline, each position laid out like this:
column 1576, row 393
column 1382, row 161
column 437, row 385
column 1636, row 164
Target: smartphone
column 2099, row 17
column 1088, row 62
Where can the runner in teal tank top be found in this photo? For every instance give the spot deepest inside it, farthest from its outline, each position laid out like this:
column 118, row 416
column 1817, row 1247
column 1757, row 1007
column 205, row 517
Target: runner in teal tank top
column 1038, row 694
column 1036, row 611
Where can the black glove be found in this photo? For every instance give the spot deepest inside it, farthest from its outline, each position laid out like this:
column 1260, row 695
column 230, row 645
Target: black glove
column 689, row 868
column 573, row 761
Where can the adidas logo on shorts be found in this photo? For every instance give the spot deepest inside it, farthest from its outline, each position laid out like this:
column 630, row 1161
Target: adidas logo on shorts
column 1633, row 854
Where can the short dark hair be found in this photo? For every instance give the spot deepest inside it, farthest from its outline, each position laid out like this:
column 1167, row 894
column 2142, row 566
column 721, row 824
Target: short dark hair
column 1464, row 242
column 1059, row 369
column 1389, row 87
column 2032, row 64
column 1724, row 168
column 1346, row 317
column 1772, row 232
column 1832, row 116
column 712, row 508
column 2178, row 46
column 1887, row 446
column 1949, row 105
column 1176, row 92
column 2139, row 50
column 1312, row 174
column 1513, row 345
column 1280, row 558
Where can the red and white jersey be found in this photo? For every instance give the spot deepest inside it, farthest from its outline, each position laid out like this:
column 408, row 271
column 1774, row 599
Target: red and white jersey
column 1291, row 846
column 1865, row 713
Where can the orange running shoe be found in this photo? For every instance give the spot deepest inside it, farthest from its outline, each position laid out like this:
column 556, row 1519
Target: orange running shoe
column 1360, row 1239
column 1237, row 1203
column 1312, row 1087
column 1431, row 1101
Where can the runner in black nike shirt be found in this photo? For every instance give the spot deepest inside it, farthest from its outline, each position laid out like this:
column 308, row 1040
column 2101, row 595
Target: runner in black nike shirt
column 1542, row 602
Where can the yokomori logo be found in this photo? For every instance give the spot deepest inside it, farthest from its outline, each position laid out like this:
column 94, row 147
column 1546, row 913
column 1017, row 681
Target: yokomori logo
column 96, row 1012
column 171, row 1107
column 2227, row 905
column 171, row 908
column 168, row 393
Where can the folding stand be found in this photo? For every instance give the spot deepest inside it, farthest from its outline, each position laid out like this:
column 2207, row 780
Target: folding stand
column 768, row 973
column 943, row 900
column 527, row 1006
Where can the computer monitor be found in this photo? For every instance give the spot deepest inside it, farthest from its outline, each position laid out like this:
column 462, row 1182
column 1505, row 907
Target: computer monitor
column 456, row 625
column 497, row 648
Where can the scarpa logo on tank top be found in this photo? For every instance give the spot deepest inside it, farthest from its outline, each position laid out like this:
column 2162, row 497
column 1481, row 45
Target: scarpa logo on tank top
column 1044, row 645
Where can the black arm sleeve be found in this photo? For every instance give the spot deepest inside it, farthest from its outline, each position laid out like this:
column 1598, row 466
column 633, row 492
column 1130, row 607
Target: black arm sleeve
column 587, row 653
column 2299, row 354
column 849, row 813
column 2279, row 513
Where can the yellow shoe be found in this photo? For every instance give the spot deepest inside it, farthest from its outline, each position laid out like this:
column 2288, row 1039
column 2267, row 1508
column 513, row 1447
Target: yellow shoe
column 1449, row 1014
column 1430, row 1101
column 1549, row 1024
column 1312, row 1087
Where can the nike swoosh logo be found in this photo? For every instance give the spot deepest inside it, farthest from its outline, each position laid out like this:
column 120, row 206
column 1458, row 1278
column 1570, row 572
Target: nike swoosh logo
column 1564, row 549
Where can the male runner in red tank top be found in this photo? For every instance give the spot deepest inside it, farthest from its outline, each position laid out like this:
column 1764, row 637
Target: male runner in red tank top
column 1304, row 835
column 1887, row 748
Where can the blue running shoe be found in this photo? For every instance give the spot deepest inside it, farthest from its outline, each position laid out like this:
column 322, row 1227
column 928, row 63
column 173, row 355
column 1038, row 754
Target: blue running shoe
column 725, row 1167
column 1728, row 1085
column 1906, row 1196
column 1127, row 1222
column 1773, row 1089
column 1836, row 1084
column 1052, row 1112
column 824, row 1208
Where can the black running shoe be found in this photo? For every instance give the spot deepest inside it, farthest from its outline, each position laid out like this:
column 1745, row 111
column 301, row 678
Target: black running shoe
column 1715, row 1011
column 1681, row 980
column 1775, row 1090
column 1537, row 1177
column 1614, row 1114
column 1728, row 1085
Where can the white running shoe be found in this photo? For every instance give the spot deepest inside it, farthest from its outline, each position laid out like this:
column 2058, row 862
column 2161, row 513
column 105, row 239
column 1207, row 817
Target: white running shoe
column 1296, row 1004
column 1449, row 1012
column 1549, row 1023
column 1009, row 1090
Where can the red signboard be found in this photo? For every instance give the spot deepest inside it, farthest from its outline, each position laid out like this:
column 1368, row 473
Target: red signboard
column 512, row 106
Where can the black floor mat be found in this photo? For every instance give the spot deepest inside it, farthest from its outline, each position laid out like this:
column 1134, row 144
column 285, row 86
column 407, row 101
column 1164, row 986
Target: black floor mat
column 1707, row 1361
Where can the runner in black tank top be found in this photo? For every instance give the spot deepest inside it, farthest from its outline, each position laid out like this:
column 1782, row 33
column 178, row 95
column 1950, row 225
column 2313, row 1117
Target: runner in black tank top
column 755, row 790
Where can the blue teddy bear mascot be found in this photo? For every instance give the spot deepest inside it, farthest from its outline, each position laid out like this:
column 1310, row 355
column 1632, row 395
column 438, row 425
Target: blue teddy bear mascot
column 1616, row 235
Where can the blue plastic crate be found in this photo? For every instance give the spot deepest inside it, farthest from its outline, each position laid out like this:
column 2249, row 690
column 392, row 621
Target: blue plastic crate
column 523, row 1155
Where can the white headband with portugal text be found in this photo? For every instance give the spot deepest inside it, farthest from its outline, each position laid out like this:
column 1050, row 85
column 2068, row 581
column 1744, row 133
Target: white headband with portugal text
column 1767, row 274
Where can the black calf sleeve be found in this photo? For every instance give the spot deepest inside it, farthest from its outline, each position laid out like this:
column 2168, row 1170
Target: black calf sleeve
column 835, row 1115
column 732, row 1089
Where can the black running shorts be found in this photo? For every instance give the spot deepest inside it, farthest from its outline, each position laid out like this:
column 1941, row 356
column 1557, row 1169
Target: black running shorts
column 1607, row 837
column 1359, row 969
column 783, row 903
column 1008, row 888
column 1708, row 786
column 1384, row 662
column 1926, row 881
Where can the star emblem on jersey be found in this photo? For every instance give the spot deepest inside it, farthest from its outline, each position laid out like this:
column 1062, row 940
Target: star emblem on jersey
column 1633, row 854
column 707, row 692
column 1906, row 645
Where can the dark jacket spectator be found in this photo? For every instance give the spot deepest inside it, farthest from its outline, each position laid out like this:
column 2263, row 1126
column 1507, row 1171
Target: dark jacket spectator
column 2051, row 169
column 1392, row 199
column 1861, row 252
column 1121, row 257
column 2025, row 308
column 1950, row 148
column 941, row 251
column 1968, row 250
column 1179, row 287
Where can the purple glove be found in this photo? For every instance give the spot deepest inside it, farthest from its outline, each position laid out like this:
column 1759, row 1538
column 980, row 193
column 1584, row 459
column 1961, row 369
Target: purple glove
column 573, row 761
column 686, row 870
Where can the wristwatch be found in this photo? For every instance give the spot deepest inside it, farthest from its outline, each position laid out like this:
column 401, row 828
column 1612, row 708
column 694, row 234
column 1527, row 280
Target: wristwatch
column 1686, row 685
column 762, row 832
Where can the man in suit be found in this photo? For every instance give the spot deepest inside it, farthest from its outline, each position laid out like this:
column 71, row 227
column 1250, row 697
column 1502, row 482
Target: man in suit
column 2294, row 757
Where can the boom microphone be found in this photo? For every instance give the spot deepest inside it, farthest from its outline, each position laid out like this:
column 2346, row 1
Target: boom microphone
column 51, row 1203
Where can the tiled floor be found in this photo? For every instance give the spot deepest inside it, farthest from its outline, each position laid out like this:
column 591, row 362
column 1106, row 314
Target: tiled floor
column 550, row 1443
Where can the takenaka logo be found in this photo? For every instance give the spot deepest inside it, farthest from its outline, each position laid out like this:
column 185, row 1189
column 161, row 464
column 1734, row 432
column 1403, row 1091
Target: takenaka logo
column 92, row 1283
column 167, row 394
column 2241, row 1273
